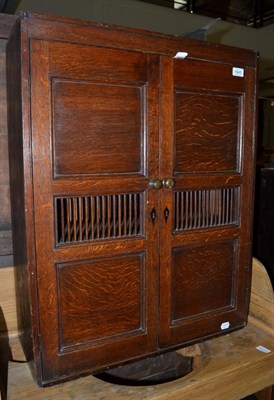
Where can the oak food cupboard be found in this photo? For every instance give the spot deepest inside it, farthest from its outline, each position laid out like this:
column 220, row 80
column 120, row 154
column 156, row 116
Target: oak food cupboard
column 131, row 185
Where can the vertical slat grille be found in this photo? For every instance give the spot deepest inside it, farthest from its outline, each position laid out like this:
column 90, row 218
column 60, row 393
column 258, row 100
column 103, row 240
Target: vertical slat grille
column 206, row 208
column 92, row 218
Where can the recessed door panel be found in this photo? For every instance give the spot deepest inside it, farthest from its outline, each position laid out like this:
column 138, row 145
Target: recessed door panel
column 207, row 132
column 98, row 128
column 202, row 280
column 100, row 299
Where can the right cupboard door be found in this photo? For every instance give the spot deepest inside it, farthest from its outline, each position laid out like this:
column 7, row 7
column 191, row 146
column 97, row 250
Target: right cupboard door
column 207, row 120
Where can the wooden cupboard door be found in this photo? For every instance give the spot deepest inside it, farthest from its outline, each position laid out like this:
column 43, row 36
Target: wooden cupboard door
column 205, row 235
column 95, row 136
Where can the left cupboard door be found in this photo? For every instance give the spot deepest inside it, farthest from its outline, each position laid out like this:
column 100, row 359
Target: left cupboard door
column 94, row 139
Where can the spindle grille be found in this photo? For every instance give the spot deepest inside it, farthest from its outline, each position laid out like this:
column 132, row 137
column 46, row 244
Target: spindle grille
column 103, row 217
column 206, row 208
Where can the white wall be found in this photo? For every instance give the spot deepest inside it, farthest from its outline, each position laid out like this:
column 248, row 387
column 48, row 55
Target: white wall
column 162, row 19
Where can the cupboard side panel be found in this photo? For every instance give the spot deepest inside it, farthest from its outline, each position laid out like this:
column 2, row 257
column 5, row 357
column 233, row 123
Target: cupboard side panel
column 21, row 193
column 6, row 252
column 5, row 217
column 248, row 188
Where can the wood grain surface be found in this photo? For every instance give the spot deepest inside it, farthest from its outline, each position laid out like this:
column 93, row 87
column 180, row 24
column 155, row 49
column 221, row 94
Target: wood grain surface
column 100, row 299
column 261, row 312
column 230, row 368
column 8, row 326
column 111, row 133
column 207, row 132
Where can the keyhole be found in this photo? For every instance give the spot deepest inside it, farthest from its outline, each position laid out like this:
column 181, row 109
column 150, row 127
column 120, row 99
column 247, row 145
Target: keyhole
column 153, row 216
column 166, row 214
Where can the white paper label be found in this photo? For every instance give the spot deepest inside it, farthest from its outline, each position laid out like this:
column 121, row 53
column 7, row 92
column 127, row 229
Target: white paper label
column 225, row 325
column 181, row 54
column 238, row 72
column 263, row 349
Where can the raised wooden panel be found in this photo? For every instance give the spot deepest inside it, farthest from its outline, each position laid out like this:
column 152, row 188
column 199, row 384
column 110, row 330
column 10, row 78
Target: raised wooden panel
column 209, row 271
column 206, row 208
column 90, row 218
column 98, row 128
column 207, row 132
column 100, row 299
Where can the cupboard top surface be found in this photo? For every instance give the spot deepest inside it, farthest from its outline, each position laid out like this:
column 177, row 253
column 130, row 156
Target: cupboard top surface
column 51, row 27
